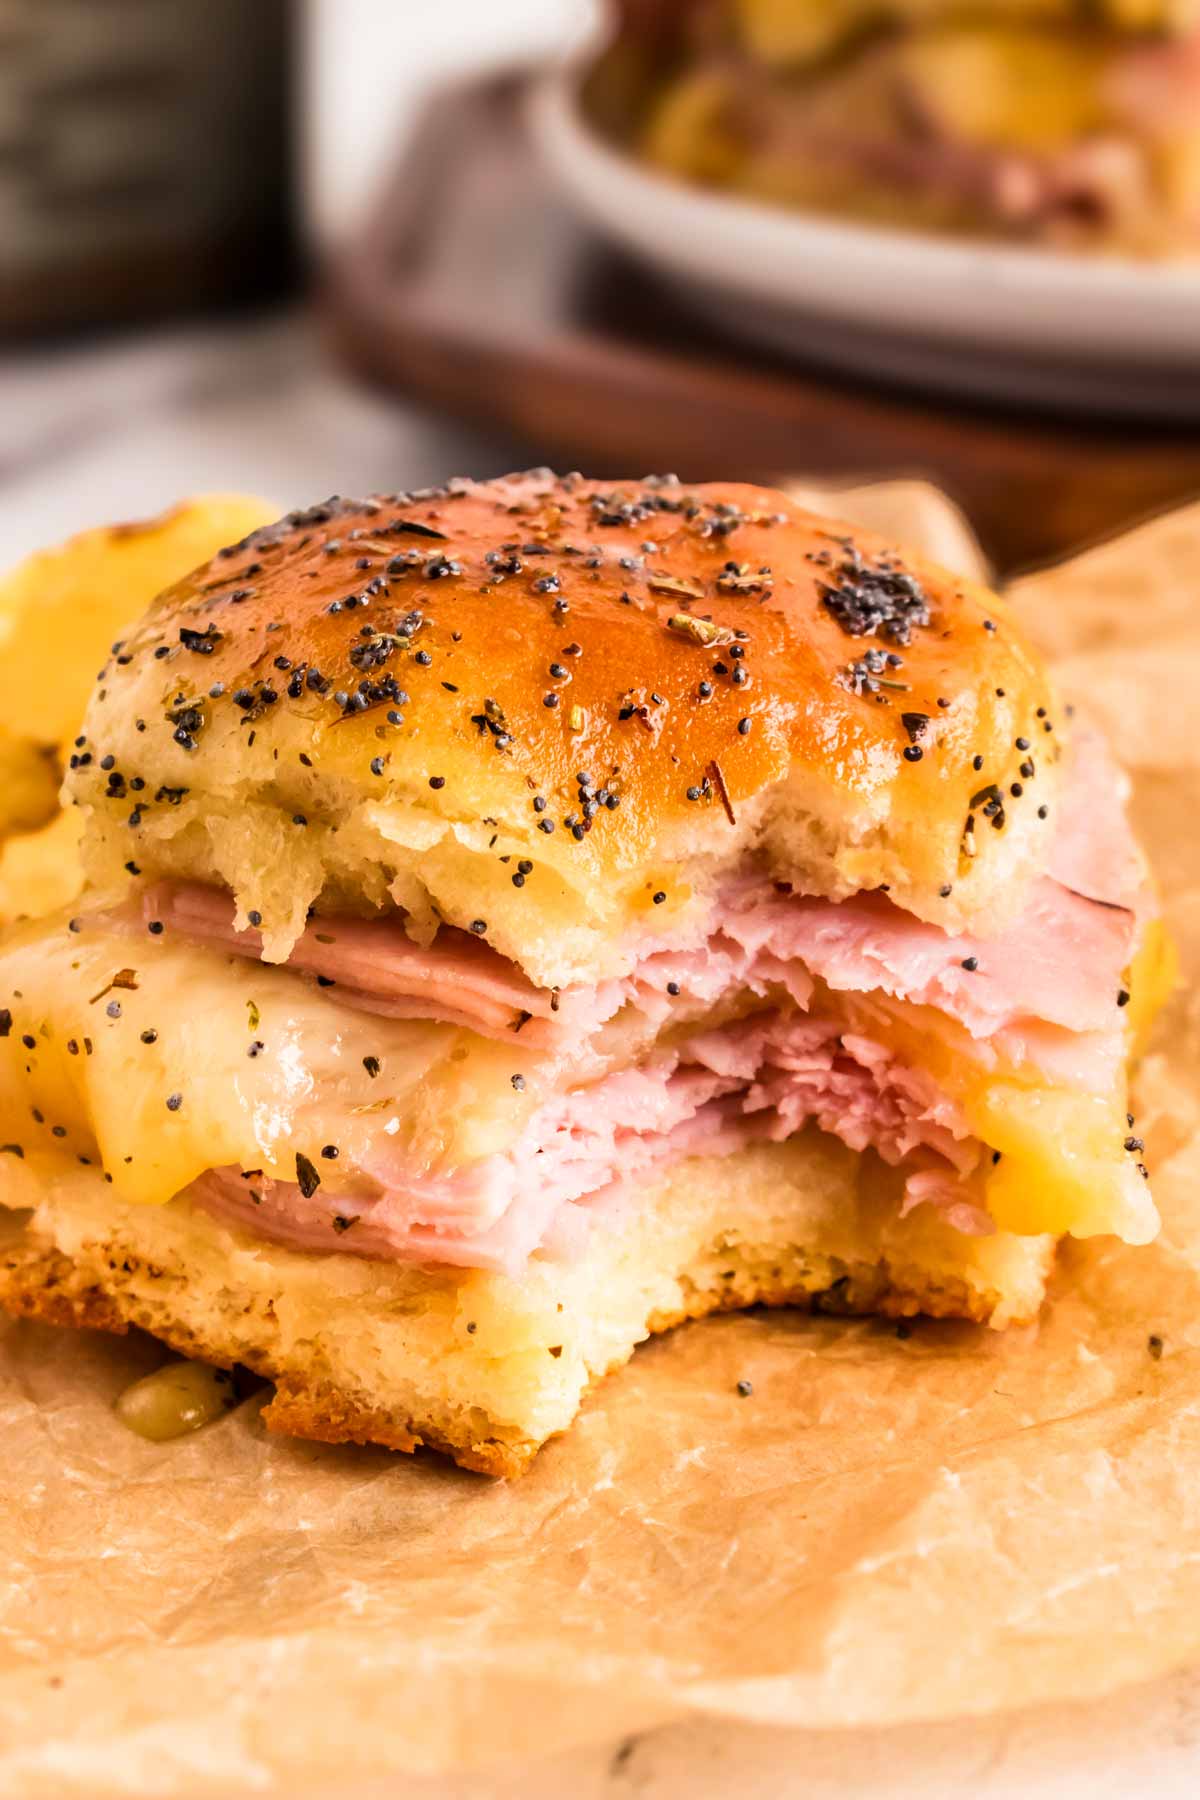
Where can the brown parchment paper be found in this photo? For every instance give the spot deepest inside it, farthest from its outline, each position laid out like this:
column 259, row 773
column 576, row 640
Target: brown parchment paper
column 887, row 1530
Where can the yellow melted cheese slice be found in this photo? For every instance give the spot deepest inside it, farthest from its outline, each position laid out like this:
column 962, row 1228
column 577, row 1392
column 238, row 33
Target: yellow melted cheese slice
column 158, row 1061
column 162, row 1060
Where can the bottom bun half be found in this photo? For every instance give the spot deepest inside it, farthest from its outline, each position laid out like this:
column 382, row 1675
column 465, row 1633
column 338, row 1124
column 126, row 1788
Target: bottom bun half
column 484, row 1366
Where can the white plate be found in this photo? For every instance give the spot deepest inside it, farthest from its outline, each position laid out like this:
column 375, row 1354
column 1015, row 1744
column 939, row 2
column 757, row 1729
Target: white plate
column 987, row 319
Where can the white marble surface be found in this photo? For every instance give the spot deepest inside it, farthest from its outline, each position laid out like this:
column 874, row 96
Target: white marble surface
column 117, row 431
column 121, row 430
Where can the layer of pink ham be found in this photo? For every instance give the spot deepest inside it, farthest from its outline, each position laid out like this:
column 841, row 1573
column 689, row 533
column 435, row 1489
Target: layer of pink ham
column 1044, row 990
column 764, row 1078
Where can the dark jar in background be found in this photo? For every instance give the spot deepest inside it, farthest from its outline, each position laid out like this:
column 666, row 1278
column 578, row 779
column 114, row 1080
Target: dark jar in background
column 145, row 162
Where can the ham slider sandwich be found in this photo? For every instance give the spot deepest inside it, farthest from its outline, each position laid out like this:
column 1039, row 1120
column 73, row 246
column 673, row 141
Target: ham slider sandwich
column 1060, row 123
column 525, row 915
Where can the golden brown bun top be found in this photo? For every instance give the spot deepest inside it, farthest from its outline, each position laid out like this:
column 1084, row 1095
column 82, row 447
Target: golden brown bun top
column 660, row 672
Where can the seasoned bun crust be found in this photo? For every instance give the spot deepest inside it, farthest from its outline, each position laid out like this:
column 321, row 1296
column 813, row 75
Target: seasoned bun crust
column 566, row 709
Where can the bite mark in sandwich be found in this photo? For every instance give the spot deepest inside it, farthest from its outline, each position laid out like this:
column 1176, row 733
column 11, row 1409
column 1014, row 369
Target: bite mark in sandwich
column 495, row 1035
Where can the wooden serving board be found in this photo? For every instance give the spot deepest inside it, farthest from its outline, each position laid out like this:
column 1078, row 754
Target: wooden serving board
column 474, row 290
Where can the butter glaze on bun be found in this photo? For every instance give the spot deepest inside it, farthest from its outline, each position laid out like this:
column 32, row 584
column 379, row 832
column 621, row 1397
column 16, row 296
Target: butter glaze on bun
column 564, row 710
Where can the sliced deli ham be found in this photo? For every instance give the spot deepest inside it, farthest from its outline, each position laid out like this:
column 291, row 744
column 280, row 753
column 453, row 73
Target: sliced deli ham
column 1044, row 993
column 374, row 961
column 763, row 1078
column 1059, row 963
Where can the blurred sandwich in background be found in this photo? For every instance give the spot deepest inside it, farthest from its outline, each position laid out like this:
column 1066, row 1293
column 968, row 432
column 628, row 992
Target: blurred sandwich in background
column 1064, row 123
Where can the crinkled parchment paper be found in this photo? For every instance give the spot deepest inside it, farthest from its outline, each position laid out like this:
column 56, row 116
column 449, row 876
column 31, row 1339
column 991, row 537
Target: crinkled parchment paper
column 888, row 1529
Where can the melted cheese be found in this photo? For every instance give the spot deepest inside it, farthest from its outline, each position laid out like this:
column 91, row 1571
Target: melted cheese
column 1017, row 90
column 1063, row 1167
column 790, row 33
column 266, row 1063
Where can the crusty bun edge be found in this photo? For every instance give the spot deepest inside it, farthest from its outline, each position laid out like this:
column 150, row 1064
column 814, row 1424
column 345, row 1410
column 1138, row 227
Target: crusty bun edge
column 480, row 1366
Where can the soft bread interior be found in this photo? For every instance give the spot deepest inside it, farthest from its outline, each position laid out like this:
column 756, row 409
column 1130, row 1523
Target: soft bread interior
column 482, row 1365
column 550, row 742
column 578, row 922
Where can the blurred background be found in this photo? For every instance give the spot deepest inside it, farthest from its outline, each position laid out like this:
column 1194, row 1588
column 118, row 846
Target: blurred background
column 298, row 246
